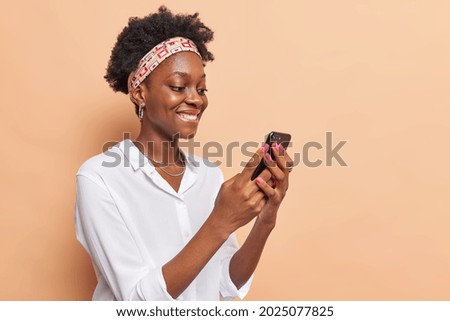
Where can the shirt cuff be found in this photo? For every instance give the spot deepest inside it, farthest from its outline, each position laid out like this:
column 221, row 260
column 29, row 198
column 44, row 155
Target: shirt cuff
column 153, row 287
column 228, row 289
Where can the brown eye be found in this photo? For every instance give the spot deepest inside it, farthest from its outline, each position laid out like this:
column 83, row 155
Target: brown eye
column 202, row 91
column 177, row 89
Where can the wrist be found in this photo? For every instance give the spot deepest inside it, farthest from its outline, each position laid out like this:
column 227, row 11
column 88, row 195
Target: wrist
column 218, row 226
column 265, row 224
column 267, row 219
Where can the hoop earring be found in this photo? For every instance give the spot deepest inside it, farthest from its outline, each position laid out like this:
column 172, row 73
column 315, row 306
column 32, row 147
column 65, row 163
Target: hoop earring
column 141, row 112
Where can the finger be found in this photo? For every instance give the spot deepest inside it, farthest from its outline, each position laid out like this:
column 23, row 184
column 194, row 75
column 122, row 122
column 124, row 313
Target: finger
column 272, row 165
column 282, row 158
column 266, row 176
column 254, row 161
column 267, row 190
column 272, row 182
column 288, row 160
column 255, row 200
column 259, row 195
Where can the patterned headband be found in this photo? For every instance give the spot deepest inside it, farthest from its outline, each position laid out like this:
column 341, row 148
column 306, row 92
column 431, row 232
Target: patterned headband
column 157, row 55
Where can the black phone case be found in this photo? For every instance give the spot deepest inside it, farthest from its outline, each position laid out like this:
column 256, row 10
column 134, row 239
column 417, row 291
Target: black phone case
column 273, row 137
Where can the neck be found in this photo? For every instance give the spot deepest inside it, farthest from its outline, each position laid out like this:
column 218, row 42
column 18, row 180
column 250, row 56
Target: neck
column 160, row 149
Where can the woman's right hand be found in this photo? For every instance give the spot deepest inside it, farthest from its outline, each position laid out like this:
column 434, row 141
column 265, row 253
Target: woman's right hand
column 239, row 199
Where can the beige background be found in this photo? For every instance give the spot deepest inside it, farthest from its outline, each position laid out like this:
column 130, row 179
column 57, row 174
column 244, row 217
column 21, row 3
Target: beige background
column 375, row 73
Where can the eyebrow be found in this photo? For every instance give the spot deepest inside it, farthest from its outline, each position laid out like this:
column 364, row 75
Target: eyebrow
column 183, row 74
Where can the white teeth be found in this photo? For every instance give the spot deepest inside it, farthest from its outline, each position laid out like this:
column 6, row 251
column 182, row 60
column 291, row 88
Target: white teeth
column 187, row 116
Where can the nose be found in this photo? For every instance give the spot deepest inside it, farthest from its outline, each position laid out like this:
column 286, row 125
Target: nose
column 194, row 98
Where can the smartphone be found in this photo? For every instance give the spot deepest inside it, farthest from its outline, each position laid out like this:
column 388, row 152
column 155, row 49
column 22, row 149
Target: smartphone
column 273, row 137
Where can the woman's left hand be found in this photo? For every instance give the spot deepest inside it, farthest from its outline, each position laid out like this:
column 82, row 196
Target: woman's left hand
column 275, row 189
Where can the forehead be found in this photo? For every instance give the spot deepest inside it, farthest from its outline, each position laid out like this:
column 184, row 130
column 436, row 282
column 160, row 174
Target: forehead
column 188, row 63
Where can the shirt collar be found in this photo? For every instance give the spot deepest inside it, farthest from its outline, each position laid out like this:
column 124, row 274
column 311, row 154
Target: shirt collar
column 137, row 160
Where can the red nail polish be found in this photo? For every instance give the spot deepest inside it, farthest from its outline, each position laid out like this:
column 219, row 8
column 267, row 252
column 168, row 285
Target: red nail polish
column 265, row 148
column 267, row 156
column 259, row 180
column 274, row 184
column 280, row 148
column 276, row 146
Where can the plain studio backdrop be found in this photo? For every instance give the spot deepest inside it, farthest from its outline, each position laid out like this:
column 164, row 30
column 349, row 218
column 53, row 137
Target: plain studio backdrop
column 375, row 74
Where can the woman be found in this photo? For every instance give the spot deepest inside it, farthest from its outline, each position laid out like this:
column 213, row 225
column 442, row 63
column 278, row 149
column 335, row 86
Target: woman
column 159, row 225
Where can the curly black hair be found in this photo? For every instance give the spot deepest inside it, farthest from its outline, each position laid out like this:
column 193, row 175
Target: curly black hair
column 142, row 34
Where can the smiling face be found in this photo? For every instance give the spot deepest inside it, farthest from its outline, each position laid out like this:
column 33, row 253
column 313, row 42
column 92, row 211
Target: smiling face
column 174, row 96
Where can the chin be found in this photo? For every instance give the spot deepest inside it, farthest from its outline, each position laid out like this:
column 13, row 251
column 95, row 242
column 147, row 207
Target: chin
column 185, row 134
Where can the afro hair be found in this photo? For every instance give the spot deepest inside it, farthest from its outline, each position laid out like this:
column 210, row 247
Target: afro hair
column 142, row 34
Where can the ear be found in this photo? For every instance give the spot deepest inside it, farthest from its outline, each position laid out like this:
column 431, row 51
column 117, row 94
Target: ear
column 138, row 95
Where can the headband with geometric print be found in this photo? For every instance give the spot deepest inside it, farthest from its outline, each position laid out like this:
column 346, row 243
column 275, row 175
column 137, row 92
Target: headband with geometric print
column 156, row 55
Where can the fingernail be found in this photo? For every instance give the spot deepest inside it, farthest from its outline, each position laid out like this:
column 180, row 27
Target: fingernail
column 274, row 184
column 267, row 156
column 280, row 148
column 276, row 146
column 265, row 148
column 259, row 180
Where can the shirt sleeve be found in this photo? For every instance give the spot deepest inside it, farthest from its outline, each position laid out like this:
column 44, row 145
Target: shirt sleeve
column 113, row 250
column 227, row 288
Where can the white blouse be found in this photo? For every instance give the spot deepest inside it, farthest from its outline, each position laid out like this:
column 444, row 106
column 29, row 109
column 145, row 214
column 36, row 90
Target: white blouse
column 132, row 222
